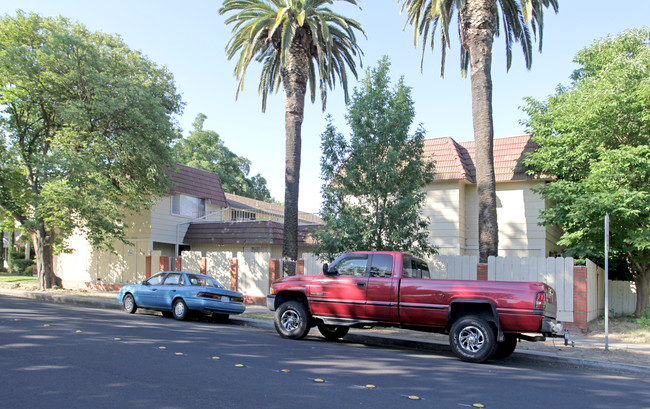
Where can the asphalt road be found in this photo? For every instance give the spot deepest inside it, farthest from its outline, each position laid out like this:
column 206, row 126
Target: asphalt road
column 64, row 356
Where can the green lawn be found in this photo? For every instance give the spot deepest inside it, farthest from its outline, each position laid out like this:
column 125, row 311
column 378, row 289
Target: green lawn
column 10, row 278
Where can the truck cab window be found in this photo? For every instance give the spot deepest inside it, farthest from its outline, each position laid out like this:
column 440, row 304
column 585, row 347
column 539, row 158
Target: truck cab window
column 381, row 265
column 354, row 266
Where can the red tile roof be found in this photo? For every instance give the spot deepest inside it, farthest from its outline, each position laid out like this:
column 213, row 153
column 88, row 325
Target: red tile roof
column 198, row 183
column 455, row 161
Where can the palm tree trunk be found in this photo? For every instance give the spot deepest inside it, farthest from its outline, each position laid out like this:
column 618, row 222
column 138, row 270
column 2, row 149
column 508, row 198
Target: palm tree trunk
column 478, row 24
column 294, row 80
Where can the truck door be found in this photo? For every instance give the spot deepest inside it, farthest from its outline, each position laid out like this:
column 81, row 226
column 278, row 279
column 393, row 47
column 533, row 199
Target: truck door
column 381, row 299
column 344, row 293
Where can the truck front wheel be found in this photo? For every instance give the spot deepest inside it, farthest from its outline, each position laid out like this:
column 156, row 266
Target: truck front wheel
column 472, row 339
column 292, row 320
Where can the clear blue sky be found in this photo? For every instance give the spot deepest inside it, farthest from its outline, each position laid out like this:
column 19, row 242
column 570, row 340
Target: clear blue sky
column 189, row 37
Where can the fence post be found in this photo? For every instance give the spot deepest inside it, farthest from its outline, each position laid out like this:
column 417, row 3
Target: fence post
column 300, row 267
column 274, row 270
column 234, row 272
column 203, row 265
column 482, row 272
column 163, row 264
column 580, row 298
column 178, row 263
column 147, row 267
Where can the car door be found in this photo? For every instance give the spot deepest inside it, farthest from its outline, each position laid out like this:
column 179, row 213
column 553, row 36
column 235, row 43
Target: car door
column 342, row 294
column 167, row 291
column 145, row 295
column 382, row 289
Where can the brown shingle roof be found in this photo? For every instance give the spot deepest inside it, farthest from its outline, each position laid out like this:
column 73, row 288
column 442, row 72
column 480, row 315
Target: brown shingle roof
column 198, row 183
column 455, row 161
column 254, row 232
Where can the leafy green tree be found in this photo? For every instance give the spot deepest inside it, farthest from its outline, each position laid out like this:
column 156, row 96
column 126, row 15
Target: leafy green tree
column 87, row 126
column 373, row 184
column 594, row 140
column 478, row 23
column 298, row 43
column 205, row 150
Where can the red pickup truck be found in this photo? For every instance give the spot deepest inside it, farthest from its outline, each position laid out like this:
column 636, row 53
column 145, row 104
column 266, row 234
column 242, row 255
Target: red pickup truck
column 484, row 319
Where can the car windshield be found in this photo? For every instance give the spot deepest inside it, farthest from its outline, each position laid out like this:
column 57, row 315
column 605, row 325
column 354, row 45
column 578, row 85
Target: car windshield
column 203, row 281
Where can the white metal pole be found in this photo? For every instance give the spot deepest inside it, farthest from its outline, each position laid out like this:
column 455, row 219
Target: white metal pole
column 606, row 281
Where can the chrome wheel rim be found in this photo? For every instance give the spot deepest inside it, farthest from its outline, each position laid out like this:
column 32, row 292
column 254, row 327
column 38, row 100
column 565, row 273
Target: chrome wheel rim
column 471, row 339
column 128, row 303
column 290, row 320
column 179, row 309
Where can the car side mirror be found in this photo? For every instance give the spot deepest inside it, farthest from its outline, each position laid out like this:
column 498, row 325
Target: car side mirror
column 327, row 272
column 145, row 282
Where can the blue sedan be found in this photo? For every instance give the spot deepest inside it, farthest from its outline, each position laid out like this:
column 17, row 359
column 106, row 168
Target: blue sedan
column 176, row 293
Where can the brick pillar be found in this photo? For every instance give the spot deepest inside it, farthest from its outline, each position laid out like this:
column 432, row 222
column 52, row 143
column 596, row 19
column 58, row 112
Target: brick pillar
column 147, row 267
column 203, row 265
column 300, row 267
column 178, row 263
column 482, row 272
column 580, row 298
column 274, row 271
column 234, row 272
column 164, row 263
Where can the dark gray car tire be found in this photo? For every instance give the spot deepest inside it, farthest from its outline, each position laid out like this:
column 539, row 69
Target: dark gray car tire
column 472, row 339
column 506, row 348
column 179, row 309
column 333, row 332
column 129, row 304
column 292, row 320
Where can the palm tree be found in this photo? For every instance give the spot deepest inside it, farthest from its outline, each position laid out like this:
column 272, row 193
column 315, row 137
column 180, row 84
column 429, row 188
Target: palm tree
column 478, row 23
column 298, row 42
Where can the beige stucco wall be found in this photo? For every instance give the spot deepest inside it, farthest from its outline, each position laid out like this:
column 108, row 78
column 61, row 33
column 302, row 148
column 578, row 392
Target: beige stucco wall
column 443, row 206
column 452, row 208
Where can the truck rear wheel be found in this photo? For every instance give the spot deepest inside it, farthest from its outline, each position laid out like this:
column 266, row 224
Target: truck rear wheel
column 506, row 348
column 472, row 339
column 292, row 320
column 333, row 332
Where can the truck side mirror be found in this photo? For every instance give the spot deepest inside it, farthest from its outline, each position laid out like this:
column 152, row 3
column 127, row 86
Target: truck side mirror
column 327, row 272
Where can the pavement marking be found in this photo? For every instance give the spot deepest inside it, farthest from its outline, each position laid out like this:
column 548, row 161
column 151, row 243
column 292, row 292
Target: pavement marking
column 215, row 357
column 285, row 370
column 240, row 365
column 413, row 397
column 46, row 325
column 117, row 339
column 179, row 354
column 478, row 405
column 161, row 347
column 319, row 380
column 370, row 386
column 78, row 331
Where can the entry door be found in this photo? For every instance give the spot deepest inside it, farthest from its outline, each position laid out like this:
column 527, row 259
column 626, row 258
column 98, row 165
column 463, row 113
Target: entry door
column 344, row 293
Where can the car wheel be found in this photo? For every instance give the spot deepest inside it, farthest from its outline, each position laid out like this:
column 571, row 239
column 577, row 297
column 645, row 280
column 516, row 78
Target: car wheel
column 220, row 318
column 506, row 348
column 472, row 339
column 129, row 304
column 292, row 320
column 179, row 309
column 333, row 332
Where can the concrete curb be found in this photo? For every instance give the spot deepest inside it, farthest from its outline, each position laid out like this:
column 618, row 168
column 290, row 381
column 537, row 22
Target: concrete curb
column 353, row 337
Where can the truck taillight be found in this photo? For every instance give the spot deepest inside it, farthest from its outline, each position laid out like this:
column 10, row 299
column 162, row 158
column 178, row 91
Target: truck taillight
column 540, row 301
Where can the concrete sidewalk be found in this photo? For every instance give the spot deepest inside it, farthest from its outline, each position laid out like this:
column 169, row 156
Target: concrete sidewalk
column 392, row 337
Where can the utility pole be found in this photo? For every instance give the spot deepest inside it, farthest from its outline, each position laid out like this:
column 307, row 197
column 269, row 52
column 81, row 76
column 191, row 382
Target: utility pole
column 606, row 281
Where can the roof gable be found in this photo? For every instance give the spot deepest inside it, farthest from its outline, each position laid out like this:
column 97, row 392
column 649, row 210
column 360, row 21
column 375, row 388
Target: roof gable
column 198, row 183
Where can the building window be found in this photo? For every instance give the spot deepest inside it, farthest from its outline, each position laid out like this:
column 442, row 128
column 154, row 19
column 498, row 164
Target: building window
column 188, row 206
